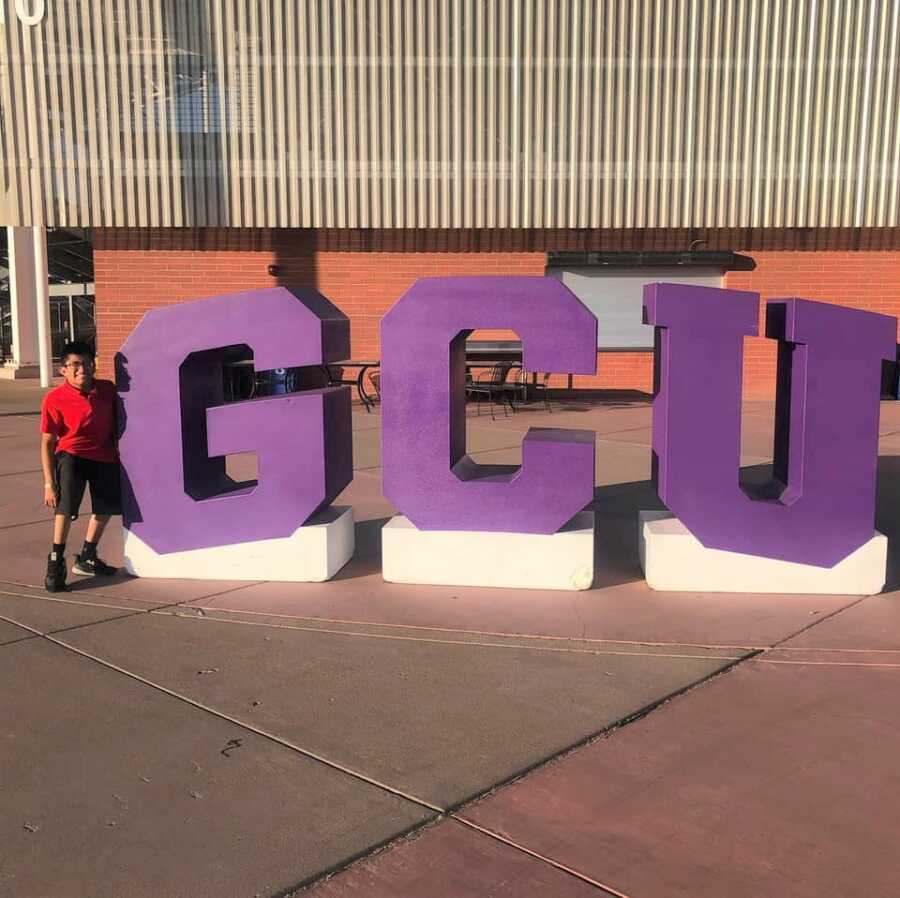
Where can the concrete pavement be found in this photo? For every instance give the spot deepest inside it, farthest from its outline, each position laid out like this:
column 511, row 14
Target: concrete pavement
column 169, row 738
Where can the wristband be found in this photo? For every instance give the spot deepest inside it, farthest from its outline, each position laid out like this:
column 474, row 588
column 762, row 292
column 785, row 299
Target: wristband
column 48, row 485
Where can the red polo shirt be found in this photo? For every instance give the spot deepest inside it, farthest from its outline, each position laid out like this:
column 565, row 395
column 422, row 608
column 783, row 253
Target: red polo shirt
column 84, row 423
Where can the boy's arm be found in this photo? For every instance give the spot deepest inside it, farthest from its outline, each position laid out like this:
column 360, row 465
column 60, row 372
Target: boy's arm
column 48, row 463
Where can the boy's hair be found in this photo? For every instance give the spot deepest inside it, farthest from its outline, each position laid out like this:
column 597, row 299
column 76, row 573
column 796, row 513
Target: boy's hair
column 76, row 347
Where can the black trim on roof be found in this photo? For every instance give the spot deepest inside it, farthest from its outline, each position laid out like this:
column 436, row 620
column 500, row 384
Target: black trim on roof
column 724, row 259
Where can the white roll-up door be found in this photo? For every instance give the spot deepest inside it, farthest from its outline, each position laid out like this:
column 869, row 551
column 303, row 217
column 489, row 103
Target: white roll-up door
column 615, row 296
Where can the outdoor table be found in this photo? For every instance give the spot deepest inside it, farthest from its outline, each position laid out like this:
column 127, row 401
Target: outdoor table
column 363, row 365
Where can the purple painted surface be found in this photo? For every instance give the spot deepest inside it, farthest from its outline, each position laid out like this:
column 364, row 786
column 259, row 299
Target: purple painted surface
column 427, row 473
column 826, row 429
column 176, row 428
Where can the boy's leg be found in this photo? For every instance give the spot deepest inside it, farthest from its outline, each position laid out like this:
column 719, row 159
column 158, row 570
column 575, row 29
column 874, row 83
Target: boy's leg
column 61, row 524
column 96, row 526
column 70, row 483
column 55, row 578
column 105, row 501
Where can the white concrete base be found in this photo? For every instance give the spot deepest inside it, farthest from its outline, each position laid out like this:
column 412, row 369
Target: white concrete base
column 562, row 560
column 12, row 371
column 313, row 553
column 674, row 560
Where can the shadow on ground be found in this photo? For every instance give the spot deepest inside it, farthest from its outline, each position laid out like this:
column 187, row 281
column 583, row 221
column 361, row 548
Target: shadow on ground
column 594, row 400
column 366, row 558
column 887, row 519
column 75, row 583
column 616, row 509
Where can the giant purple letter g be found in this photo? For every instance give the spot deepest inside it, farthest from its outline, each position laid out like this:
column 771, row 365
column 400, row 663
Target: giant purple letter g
column 177, row 428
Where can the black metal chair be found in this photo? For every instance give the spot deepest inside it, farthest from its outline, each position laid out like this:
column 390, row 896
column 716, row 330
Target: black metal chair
column 375, row 380
column 516, row 386
column 491, row 384
column 541, row 387
column 520, row 390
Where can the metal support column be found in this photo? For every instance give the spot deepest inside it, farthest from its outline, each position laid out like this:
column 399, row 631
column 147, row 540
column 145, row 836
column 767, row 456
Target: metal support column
column 42, row 300
column 23, row 311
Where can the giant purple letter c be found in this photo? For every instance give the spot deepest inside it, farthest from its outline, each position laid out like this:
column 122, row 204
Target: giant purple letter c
column 427, row 473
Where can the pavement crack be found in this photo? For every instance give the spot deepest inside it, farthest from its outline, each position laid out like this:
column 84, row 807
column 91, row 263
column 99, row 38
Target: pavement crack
column 412, row 832
column 89, row 593
column 441, row 813
column 474, row 643
column 816, row 622
column 130, row 612
column 571, row 871
column 574, row 602
column 265, row 734
column 231, row 746
column 18, row 640
column 23, row 524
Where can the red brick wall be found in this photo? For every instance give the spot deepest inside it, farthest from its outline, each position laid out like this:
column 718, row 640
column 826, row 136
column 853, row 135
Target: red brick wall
column 128, row 283
column 364, row 284
column 364, row 272
column 863, row 280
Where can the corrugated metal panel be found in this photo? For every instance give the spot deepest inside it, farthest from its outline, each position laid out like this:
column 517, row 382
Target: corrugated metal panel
column 616, row 297
column 453, row 113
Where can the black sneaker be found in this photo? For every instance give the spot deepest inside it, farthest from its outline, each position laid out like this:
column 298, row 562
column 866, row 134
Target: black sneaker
column 55, row 581
column 92, row 567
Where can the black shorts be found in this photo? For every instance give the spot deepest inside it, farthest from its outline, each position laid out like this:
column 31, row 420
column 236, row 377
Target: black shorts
column 73, row 473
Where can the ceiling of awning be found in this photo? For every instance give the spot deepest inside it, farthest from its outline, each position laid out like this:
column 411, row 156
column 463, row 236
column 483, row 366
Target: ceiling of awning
column 70, row 257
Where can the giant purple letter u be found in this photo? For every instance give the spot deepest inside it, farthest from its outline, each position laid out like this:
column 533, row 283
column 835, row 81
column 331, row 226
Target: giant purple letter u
column 826, row 427
column 176, row 429
column 427, row 473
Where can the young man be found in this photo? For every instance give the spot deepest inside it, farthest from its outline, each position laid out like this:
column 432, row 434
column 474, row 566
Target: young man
column 78, row 448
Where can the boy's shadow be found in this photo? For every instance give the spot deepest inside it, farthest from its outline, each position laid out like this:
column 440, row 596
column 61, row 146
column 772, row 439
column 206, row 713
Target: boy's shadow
column 131, row 511
column 76, row 583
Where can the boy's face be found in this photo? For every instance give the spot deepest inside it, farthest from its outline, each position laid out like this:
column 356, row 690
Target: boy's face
column 78, row 371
